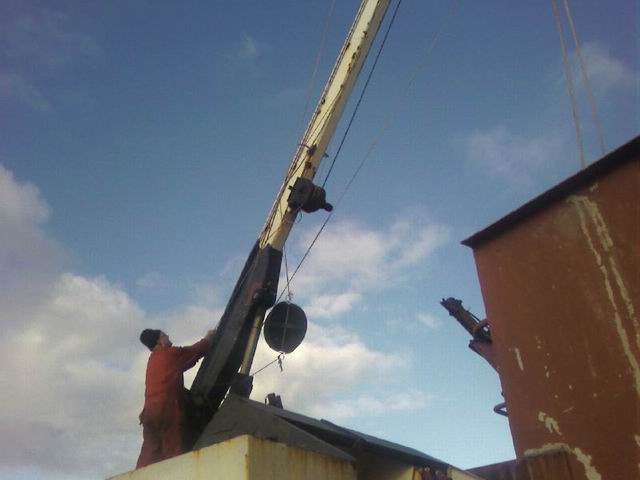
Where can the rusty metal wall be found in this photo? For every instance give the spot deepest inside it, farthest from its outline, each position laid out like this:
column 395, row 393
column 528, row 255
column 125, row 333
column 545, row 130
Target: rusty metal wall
column 496, row 471
column 562, row 294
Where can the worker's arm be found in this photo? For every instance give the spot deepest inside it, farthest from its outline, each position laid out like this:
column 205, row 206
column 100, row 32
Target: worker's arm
column 186, row 357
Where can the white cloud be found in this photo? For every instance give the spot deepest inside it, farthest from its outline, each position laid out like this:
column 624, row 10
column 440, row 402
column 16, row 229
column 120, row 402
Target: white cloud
column 207, row 294
column 290, row 98
column 350, row 260
column 606, row 72
column 429, row 321
column 533, row 153
column 243, row 56
column 415, row 242
column 20, row 203
column 346, row 252
column 329, row 306
column 151, row 281
column 72, row 367
column 37, row 38
column 321, row 376
column 368, row 405
column 14, row 87
column 512, row 157
column 71, row 381
column 73, row 370
column 248, row 50
column 29, row 259
column 42, row 36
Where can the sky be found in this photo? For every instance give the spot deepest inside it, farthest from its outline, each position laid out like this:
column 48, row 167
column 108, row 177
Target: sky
column 142, row 145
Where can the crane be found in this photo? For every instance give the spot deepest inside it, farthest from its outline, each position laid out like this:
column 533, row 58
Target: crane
column 228, row 362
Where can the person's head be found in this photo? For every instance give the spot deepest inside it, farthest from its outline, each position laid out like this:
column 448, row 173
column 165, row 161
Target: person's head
column 151, row 338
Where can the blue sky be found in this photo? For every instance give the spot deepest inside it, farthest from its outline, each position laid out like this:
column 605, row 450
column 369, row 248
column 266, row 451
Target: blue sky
column 142, row 144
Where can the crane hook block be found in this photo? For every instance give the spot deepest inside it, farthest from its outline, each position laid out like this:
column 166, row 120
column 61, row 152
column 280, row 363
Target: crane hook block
column 307, row 197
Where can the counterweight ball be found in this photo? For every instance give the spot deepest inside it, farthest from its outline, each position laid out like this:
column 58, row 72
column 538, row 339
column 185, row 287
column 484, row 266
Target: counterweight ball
column 285, row 327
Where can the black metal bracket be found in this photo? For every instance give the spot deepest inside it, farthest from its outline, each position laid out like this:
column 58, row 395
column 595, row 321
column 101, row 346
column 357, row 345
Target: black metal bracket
column 308, row 197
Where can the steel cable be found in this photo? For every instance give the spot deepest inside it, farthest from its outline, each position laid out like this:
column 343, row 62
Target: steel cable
column 585, row 78
column 570, row 86
column 386, row 126
column 364, row 89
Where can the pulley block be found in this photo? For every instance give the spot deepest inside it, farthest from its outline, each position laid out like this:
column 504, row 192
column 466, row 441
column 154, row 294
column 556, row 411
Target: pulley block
column 308, row 197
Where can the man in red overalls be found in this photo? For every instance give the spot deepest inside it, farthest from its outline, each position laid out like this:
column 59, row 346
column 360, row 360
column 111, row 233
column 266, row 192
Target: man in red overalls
column 165, row 397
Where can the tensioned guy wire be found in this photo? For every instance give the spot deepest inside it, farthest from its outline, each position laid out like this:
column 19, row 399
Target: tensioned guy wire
column 318, row 57
column 329, row 109
column 570, row 86
column 304, row 114
column 380, row 49
column 292, row 167
column 386, row 126
column 585, row 78
column 364, row 89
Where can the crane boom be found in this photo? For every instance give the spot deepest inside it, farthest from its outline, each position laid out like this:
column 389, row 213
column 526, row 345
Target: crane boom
column 234, row 343
column 322, row 126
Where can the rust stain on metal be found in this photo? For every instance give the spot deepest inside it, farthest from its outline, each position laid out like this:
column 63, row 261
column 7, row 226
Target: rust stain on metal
column 557, row 461
column 560, row 279
column 617, row 292
column 497, row 471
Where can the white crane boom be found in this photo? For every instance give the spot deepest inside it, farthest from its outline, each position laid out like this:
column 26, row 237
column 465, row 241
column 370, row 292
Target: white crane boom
column 228, row 362
column 322, row 126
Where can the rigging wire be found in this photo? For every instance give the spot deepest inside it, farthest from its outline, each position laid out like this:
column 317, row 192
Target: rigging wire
column 585, row 78
column 309, row 139
column 364, row 89
column 294, row 166
column 391, row 117
column 306, row 253
column 311, row 136
column 286, row 271
column 278, row 359
column 318, row 57
column 386, row 126
column 570, row 86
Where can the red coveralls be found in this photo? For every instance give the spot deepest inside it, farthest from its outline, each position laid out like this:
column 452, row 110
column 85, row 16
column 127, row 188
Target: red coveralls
column 164, row 401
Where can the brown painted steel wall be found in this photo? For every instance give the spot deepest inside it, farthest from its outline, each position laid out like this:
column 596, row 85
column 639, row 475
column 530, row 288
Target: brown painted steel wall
column 496, row 471
column 562, row 294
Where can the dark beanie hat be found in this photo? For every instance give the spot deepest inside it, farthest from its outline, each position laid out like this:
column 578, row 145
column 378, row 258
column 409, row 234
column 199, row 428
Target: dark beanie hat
column 150, row 337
